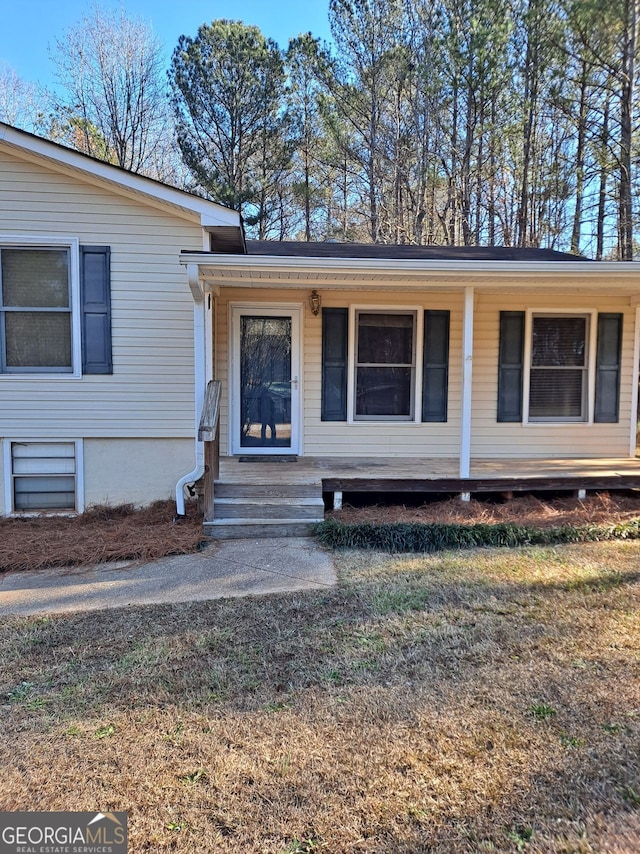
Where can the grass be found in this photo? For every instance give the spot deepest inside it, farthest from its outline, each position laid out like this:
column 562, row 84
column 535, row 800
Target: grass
column 485, row 701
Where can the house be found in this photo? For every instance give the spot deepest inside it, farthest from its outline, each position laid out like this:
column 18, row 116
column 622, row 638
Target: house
column 97, row 368
column 146, row 345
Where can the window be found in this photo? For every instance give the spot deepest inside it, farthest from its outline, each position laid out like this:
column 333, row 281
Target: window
column 385, row 365
column 381, row 364
column 35, row 310
column 559, row 368
column 555, row 367
column 43, row 476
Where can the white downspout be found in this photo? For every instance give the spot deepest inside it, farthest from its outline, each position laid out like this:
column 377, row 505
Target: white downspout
column 200, row 372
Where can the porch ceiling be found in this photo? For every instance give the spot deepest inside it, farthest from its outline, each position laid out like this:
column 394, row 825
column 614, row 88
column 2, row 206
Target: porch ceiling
column 253, row 271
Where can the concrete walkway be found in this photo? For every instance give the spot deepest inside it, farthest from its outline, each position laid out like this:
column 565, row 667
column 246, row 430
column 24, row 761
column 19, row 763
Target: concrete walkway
column 224, row 569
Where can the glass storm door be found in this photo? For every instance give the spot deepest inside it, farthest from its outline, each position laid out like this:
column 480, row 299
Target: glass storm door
column 266, row 368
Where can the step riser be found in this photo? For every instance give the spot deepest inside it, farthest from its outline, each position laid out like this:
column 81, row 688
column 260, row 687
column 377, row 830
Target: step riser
column 258, row 490
column 254, row 510
column 267, row 511
column 246, row 530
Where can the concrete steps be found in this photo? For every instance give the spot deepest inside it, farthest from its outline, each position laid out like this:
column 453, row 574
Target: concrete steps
column 246, row 510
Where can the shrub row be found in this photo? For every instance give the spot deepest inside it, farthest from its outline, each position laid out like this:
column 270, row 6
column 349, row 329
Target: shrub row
column 432, row 537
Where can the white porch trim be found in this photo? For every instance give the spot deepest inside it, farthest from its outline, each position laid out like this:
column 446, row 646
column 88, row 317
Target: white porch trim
column 634, row 385
column 467, row 378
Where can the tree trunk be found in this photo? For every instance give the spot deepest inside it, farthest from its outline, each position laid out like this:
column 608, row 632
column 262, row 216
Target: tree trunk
column 604, row 174
column 493, row 165
column 626, row 131
column 580, row 155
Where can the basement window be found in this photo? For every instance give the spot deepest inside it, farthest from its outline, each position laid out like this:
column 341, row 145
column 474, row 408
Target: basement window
column 43, row 476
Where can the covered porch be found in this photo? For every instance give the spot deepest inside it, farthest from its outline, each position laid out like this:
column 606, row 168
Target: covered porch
column 423, row 474
column 454, row 388
column 254, row 495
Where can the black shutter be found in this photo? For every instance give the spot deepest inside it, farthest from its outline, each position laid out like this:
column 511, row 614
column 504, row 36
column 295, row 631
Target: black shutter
column 435, row 369
column 334, row 364
column 607, row 408
column 95, row 298
column 510, row 365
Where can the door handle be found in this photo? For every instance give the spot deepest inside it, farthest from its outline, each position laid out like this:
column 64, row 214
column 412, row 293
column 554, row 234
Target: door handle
column 294, row 382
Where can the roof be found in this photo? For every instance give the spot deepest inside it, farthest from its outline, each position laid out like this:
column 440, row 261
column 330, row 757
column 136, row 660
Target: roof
column 331, row 249
column 118, row 179
column 338, row 266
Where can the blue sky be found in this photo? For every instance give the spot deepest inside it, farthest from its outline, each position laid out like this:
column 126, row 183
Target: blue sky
column 30, row 27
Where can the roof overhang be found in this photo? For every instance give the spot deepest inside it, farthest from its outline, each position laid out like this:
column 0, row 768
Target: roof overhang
column 268, row 271
column 60, row 158
column 227, row 239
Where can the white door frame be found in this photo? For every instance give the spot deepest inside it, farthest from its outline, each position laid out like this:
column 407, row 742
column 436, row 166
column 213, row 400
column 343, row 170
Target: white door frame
column 271, row 309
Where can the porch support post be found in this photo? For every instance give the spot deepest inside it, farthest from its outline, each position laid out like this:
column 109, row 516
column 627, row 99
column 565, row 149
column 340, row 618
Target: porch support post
column 199, row 339
column 467, row 375
column 211, row 449
column 634, row 385
column 199, row 355
column 210, row 309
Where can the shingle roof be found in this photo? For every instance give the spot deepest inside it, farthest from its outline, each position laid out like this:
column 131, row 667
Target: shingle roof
column 330, row 249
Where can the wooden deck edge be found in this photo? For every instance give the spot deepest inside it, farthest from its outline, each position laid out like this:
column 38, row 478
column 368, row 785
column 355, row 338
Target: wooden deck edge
column 488, row 484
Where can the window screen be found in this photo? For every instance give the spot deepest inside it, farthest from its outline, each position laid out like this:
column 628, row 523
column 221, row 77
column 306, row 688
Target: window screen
column 385, row 365
column 35, row 310
column 558, row 375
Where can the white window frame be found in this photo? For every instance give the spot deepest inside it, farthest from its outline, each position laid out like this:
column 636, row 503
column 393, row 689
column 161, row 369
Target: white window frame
column 592, row 332
column 72, row 244
column 418, row 345
column 9, row 475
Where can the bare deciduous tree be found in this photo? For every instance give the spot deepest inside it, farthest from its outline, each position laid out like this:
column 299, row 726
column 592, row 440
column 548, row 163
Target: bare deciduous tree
column 114, row 106
column 22, row 104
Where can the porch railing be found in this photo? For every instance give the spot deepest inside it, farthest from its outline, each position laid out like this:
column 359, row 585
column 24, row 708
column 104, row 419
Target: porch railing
column 209, row 434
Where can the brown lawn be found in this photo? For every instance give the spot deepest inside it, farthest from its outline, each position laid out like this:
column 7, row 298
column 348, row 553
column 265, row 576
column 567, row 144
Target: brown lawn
column 484, row 701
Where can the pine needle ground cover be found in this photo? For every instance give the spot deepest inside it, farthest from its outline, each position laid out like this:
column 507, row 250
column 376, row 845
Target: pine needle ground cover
column 480, row 701
column 455, row 524
column 129, row 533
column 101, row 534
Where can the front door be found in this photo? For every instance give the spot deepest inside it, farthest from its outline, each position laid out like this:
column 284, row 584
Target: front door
column 266, row 371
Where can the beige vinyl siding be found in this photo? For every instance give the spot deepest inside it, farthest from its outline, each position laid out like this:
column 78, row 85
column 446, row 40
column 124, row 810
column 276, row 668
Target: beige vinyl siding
column 489, row 438
column 124, row 471
column 150, row 393
column 341, row 439
column 562, row 440
column 127, row 471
